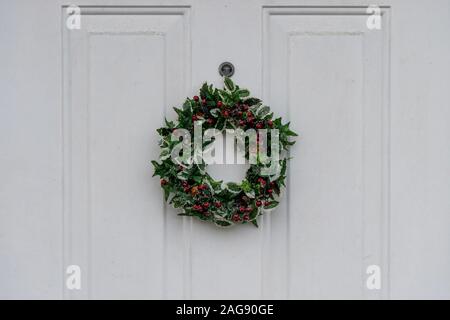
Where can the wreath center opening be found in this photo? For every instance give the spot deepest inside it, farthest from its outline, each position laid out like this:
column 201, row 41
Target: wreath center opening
column 229, row 170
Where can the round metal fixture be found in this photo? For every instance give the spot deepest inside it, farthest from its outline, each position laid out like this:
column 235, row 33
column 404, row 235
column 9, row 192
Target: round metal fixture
column 226, row 69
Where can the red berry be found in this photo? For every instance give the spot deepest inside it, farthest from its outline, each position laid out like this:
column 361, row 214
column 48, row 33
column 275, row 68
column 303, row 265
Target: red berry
column 218, row 204
column 269, row 191
column 249, row 209
column 219, row 104
column 270, row 123
column 225, row 114
column 259, row 125
column 240, row 113
column 245, row 107
column 210, row 121
column 242, row 209
column 249, row 114
column 236, row 217
column 241, row 123
column 203, row 101
column 194, row 118
column 197, row 207
column 163, row 182
column 246, row 217
column 206, row 205
column 196, row 98
column 258, row 203
column 266, row 203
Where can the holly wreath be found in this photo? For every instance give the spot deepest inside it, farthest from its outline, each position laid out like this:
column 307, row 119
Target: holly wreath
column 189, row 187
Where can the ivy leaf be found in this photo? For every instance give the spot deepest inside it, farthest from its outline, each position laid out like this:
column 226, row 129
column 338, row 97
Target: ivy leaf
column 229, row 84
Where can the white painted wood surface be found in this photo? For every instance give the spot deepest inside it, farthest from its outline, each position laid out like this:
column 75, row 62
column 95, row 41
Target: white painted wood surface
column 369, row 182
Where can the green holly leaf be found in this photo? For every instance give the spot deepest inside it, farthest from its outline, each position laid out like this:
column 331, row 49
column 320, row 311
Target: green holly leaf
column 242, row 93
column 252, row 101
column 157, row 167
column 220, row 125
column 250, row 194
column 283, row 167
column 169, row 124
column 204, row 90
column 215, row 112
column 223, row 223
column 246, row 186
column 254, row 108
column 187, row 105
column 271, row 205
column 229, row 84
column 233, row 187
column 263, row 112
column 165, row 154
column 166, row 192
column 277, row 122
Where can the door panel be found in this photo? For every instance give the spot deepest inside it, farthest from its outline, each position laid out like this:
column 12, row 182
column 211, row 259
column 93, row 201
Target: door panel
column 123, row 69
column 329, row 71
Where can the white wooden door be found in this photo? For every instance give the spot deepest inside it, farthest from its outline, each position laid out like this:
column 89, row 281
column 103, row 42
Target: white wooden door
column 368, row 185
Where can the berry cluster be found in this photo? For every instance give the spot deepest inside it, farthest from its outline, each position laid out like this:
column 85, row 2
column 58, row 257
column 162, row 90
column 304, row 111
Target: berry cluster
column 237, row 113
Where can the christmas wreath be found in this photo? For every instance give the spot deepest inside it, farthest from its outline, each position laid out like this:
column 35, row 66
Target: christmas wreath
column 187, row 185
